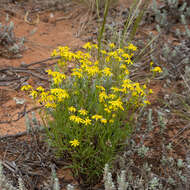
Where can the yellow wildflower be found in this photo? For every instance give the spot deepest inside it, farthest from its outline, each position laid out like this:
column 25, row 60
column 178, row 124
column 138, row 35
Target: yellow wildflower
column 83, row 112
column 95, row 46
column 34, row 94
column 134, row 93
column 107, row 71
column 77, row 74
column 107, row 59
column 87, row 46
column 103, row 121
column 103, row 52
column 115, row 89
column 144, row 86
column 100, row 87
column 111, row 121
column 157, row 69
column 128, row 61
column 120, row 50
column 113, row 115
column 74, row 143
column 96, row 117
column 76, row 119
column 150, row 91
column 26, row 87
column 116, row 104
column 132, row 47
column 103, row 96
column 96, row 62
column 126, row 56
column 87, row 121
column 112, row 45
column 123, row 66
column 106, row 109
column 57, row 76
column 54, row 53
column 112, row 96
column 61, row 94
column 40, row 89
column 43, row 96
column 146, row 102
column 93, row 70
column 72, row 109
column 50, row 105
column 127, row 72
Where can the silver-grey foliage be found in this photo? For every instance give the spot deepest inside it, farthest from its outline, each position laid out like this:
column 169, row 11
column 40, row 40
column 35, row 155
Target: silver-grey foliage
column 11, row 47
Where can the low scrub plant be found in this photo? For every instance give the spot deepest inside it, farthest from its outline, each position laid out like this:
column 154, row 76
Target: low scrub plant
column 89, row 110
column 171, row 13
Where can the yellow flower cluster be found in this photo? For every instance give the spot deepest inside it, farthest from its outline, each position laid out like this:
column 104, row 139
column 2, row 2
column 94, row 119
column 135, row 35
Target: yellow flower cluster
column 57, row 76
column 105, row 82
column 48, row 98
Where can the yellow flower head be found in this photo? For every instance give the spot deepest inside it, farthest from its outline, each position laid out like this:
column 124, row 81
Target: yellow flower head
column 61, row 94
column 34, row 94
column 157, row 69
column 123, row 66
column 146, row 102
column 96, row 117
column 26, row 87
column 132, row 47
column 116, row 104
column 100, row 87
column 107, row 71
column 83, row 112
column 104, row 121
column 103, row 96
column 87, row 46
column 76, row 119
column 150, row 91
column 54, row 53
column 93, row 70
column 111, row 121
column 112, row 45
column 103, row 52
column 40, row 89
column 50, row 105
column 72, row 109
column 74, row 143
column 77, row 74
column 87, row 121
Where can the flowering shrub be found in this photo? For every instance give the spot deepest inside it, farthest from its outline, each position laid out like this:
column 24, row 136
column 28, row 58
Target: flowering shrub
column 90, row 109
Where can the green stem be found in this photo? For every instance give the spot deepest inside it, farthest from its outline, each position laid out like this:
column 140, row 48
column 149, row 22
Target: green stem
column 103, row 26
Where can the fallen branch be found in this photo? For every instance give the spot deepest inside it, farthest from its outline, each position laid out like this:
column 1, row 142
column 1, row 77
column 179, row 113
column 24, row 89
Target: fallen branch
column 20, row 114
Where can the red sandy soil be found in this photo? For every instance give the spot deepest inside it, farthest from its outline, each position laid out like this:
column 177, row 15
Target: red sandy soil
column 47, row 36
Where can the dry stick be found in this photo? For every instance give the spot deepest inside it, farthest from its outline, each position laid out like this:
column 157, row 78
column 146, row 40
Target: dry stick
column 22, row 70
column 180, row 131
column 20, row 114
column 32, row 73
column 42, row 61
column 20, row 134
